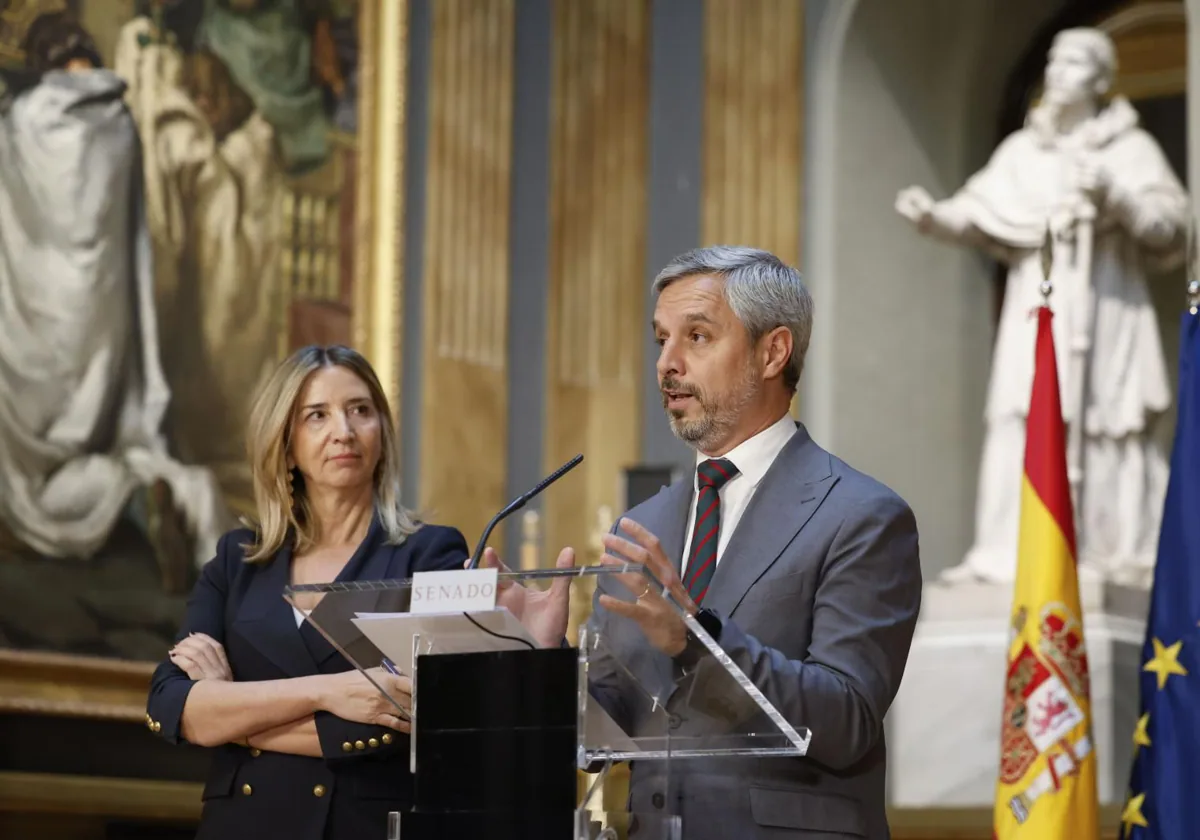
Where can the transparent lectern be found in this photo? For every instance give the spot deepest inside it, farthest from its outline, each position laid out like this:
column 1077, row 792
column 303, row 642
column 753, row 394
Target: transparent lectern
column 500, row 728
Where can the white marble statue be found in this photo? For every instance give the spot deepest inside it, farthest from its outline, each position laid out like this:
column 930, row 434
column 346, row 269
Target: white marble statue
column 1082, row 169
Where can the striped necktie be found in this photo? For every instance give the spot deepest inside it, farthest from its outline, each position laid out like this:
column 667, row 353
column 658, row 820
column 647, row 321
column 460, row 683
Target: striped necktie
column 711, row 476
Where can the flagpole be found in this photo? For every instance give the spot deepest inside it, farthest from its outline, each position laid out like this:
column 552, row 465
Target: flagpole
column 1081, row 323
column 1047, row 786
column 1193, row 286
column 1079, row 327
column 1157, row 806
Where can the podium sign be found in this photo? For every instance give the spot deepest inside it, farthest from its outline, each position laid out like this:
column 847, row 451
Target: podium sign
column 499, row 726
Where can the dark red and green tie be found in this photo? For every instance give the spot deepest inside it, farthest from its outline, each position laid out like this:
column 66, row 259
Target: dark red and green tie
column 711, row 476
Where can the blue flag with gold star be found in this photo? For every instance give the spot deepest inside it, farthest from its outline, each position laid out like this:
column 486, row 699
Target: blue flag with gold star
column 1164, row 800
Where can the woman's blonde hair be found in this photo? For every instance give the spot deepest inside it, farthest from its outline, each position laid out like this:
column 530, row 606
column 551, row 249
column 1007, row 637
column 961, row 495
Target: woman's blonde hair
column 281, row 502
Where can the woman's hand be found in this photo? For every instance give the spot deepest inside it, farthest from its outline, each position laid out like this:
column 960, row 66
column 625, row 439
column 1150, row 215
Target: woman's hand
column 351, row 696
column 201, row 657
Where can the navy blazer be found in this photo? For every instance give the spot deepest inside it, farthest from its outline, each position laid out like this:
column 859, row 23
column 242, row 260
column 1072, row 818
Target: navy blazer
column 252, row 793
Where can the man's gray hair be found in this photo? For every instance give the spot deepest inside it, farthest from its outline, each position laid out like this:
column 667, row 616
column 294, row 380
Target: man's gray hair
column 763, row 291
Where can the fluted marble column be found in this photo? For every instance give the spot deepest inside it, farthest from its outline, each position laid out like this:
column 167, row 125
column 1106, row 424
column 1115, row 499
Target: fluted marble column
column 753, row 122
column 466, row 272
column 596, row 318
column 753, row 191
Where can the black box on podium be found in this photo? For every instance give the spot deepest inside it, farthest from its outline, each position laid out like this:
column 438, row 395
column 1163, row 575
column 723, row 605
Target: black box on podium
column 496, row 745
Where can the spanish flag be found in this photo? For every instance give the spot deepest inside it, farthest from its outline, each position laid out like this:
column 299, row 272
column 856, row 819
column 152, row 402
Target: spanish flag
column 1047, row 784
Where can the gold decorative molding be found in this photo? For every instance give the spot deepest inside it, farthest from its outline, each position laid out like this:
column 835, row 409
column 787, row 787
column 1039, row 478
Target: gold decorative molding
column 382, row 104
column 464, row 403
column 1151, row 43
column 596, row 313
column 133, row 799
column 33, row 682
column 753, row 125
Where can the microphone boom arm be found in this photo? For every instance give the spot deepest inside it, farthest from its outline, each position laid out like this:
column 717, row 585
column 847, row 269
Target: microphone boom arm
column 518, row 503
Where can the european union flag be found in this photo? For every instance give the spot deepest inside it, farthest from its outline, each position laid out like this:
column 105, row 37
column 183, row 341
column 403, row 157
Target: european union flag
column 1164, row 801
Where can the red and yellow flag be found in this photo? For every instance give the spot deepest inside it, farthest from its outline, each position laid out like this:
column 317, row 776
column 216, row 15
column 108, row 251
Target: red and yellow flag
column 1047, row 784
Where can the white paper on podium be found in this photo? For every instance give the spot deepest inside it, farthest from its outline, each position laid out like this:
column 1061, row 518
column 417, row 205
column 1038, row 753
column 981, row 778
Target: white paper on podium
column 448, row 632
column 451, row 632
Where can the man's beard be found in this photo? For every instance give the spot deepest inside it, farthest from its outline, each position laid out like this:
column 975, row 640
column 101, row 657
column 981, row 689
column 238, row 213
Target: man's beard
column 719, row 413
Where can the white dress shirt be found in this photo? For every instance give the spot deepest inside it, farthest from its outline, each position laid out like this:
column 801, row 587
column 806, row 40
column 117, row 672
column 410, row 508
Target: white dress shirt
column 752, row 457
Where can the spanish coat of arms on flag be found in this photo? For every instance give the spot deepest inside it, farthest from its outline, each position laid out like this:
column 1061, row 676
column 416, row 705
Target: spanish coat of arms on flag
column 1047, row 783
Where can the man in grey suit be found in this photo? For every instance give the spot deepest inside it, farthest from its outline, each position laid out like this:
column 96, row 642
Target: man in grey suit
column 805, row 571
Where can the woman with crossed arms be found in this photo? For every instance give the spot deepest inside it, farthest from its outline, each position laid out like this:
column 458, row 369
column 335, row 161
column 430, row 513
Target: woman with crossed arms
column 305, row 747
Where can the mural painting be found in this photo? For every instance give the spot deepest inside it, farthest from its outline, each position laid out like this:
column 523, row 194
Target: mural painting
column 177, row 209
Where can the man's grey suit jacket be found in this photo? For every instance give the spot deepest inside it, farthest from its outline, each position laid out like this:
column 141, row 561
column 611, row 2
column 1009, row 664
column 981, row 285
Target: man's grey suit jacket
column 818, row 591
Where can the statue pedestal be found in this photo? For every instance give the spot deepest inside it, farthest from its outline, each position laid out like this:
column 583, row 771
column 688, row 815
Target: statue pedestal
column 944, row 727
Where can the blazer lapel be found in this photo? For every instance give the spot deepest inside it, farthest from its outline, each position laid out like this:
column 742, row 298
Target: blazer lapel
column 267, row 622
column 371, row 561
column 791, row 491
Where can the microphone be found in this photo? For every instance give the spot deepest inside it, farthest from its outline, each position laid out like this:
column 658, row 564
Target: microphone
column 520, row 502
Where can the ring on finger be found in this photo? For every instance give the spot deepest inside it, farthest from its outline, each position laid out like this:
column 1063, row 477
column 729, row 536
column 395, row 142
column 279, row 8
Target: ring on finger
column 645, row 592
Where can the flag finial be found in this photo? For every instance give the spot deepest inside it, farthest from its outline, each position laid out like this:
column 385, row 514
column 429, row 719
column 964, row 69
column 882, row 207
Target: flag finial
column 1047, row 265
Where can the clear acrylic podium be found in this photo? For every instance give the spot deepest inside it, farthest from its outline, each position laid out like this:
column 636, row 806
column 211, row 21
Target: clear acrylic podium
column 501, row 728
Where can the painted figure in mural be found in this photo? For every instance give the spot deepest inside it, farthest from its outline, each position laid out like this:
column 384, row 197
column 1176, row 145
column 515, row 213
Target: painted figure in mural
column 220, row 111
column 82, row 391
column 230, row 98
column 1083, row 169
